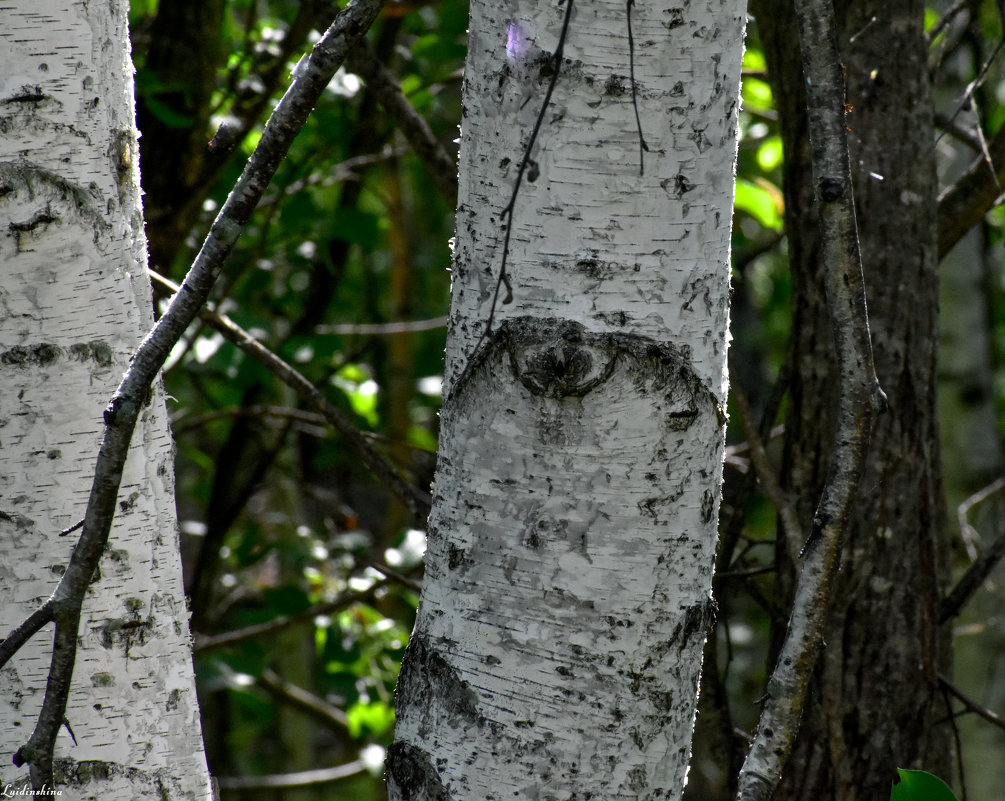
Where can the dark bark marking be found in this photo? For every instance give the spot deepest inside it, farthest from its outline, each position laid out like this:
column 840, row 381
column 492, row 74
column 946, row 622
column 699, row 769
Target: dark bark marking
column 556, row 359
column 831, row 189
column 428, row 678
column 22, row 356
column 412, row 773
column 28, row 94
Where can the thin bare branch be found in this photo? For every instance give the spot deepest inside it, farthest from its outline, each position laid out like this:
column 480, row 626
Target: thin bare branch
column 959, row 131
column 964, row 204
column 132, row 393
column 957, row 7
column 762, row 466
column 416, row 500
column 859, row 399
column 210, row 643
column 385, row 329
column 396, row 577
column 972, row 705
column 379, row 80
column 34, row 623
column 984, row 564
column 957, row 741
column 186, row 423
column 304, row 778
column 297, row 697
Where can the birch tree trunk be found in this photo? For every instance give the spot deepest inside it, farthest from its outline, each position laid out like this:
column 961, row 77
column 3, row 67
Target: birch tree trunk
column 74, row 303
column 558, row 645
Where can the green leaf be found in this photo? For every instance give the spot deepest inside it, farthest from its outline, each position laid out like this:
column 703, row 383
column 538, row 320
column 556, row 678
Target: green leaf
column 760, row 202
column 918, row 785
column 757, row 93
column 375, row 717
column 769, row 154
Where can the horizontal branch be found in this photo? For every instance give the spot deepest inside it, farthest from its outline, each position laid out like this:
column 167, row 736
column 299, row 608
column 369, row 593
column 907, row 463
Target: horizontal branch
column 204, row 643
column 305, row 778
column 384, row 329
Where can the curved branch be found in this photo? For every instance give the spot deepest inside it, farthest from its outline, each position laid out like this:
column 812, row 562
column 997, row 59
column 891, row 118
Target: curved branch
column 976, row 574
column 860, row 398
column 964, row 204
column 307, row 702
column 131, row 395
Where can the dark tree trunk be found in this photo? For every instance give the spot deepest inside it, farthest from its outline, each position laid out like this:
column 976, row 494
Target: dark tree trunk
column 172, row 111
column 874, row 703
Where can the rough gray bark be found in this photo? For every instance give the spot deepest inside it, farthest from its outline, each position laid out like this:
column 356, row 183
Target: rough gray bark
column 874, row 703
column 859, row 398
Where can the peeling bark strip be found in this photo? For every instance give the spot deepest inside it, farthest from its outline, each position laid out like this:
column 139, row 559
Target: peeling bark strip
column 557, row 648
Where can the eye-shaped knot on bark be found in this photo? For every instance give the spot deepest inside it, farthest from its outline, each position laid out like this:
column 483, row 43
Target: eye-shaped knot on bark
column 562, row 362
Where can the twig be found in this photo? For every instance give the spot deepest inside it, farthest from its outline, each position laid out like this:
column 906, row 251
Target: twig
column 304, row 778
column 33, row 624
column 765, row 475
column 379, row 80
column 305, row 701
column 859, row 399
column 743, row 257
column 417, row 501
column 71, row 529
column 957, row 743
column 948, row 17
column 341, row 172
column 131, row 395
column 744, row 573
column 971, row 705
column 211, row 643
column 384, row 329
column 186, row 423
column 963, row 204
column 967, row 532
column 959, row 131
column 982, row 567
column 395, row 576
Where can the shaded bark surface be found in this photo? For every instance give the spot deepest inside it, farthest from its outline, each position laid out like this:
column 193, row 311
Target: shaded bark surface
column 874, row 704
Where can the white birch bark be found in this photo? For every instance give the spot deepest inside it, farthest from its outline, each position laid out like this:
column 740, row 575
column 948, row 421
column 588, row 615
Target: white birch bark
column 74, row 303
column 557, row 649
